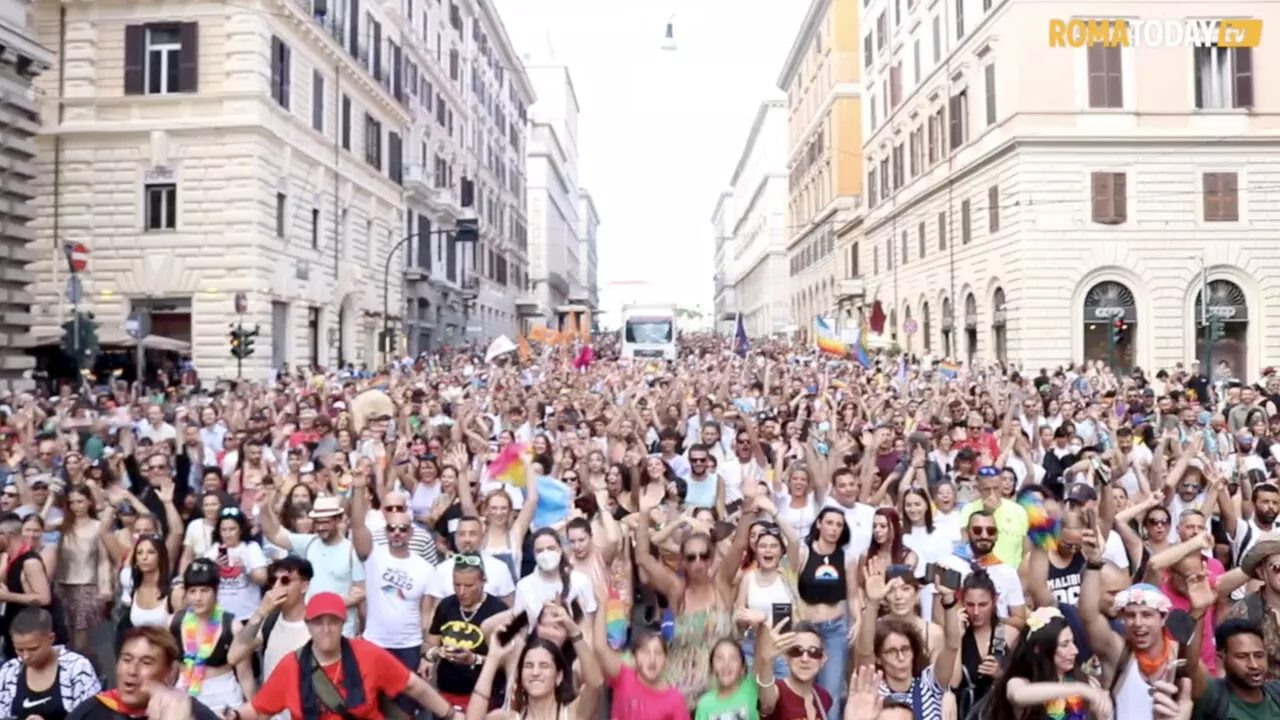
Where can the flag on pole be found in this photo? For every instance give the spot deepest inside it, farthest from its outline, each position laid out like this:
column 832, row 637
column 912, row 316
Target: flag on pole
column 902, row 370
column 827, row 340
column 948, row 369
column 741, row 344
column 522, row 346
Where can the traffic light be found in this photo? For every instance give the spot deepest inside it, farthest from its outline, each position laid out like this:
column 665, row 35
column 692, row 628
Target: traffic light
column 1117, row 332
column 467, row 231
column 80, row 339
column 242, row 341
column 1216, row 331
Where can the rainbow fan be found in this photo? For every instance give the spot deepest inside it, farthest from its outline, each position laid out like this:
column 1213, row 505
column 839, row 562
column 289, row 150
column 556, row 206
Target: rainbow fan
column 1042, row 527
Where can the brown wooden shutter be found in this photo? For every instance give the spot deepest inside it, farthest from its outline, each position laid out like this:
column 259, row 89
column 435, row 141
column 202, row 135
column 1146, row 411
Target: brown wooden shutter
column 275, row 68
column 135, row 59
column 1097, row 76
column 1119, row 198
column 189, row 57
column 354, row 15
column 1242, row 67
column 1211, row 190
column 1115, row 80
column 1230, row 197
column 1101, row 195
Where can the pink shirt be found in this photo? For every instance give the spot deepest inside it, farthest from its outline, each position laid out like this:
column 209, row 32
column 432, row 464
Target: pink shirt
column 633, row 700
column 1208, row 651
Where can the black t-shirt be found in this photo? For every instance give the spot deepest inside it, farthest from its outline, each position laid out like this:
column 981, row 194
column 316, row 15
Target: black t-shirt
column 458, row 631
column 93, row 709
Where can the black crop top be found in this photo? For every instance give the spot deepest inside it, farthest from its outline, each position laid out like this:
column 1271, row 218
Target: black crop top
column 822, row 581
column 218, row 658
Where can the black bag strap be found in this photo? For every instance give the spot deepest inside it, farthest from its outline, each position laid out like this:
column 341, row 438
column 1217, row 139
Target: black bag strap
column 326, row 691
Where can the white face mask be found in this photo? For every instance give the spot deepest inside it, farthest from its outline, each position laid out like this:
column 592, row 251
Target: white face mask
column 548, row 560
column 1076, row 448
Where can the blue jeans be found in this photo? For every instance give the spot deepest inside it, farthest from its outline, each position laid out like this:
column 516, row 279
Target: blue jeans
column 780, row 669
column 409, row 657
column 835, row 641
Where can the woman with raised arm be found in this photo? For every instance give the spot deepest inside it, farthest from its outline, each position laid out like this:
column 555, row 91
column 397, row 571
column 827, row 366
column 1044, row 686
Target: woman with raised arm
column 544, row 683
column 640, row 690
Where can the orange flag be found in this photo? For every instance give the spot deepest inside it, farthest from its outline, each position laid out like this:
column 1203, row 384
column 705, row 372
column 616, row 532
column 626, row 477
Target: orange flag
column 585, row 328
column 522, row 347
column 543, row 335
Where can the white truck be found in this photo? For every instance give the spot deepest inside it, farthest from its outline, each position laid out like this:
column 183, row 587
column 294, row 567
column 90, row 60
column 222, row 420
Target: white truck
column 649, row 331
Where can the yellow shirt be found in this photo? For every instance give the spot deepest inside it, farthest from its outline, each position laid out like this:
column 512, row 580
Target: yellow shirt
column 1012, row 524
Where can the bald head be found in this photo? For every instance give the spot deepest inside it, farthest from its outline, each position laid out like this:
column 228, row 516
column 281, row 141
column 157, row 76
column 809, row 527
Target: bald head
column 1114, row 581
column 394, row 502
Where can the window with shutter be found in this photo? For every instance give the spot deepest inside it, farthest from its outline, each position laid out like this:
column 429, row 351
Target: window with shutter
column 993, row 208
column 1221, row 197
column 966, row 218
column 346, row 123
column 942, row 231
column 1106, row 84
column 920, row 239
column 317, row 100
column 990, row 81
column 1109, row 198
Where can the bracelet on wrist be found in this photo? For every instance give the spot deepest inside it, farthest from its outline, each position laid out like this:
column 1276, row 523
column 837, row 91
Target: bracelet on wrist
column 949, row 605
column 772, row 682
column 1091, row 565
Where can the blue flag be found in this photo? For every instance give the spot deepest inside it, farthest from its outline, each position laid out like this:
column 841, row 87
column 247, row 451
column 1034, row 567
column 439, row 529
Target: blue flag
column 740, row 343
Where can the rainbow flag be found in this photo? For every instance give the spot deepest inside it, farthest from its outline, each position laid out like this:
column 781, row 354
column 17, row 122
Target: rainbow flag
column 508, row 467
column 839, row 384
column 827, row 340
column 948, row 369
column 1042, row 528
column 860, row 348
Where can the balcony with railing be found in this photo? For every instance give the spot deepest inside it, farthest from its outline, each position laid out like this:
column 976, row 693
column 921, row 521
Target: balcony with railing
column 337, row 25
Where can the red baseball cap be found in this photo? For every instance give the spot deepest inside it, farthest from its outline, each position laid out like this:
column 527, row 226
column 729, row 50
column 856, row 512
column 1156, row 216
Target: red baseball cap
column 326, row 603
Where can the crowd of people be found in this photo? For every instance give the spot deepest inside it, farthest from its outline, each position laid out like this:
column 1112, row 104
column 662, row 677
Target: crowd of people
column 733, row 535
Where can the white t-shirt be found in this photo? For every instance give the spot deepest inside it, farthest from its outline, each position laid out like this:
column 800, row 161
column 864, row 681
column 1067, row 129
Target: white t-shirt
column 237, row 592
column 737, row 474
column 858, row 519
column 199, row 537
column 1114, row 551
column 497, row 579
column 1003, row 576
column 395, row 587
column 534, row 591
column 286, row 637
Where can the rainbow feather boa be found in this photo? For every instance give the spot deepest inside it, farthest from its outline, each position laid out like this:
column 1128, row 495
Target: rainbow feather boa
column 1042, row 527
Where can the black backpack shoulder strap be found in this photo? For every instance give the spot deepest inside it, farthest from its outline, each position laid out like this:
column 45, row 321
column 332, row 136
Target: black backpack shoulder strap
column 326, row 692
column 268, row 625
column 1254, row 608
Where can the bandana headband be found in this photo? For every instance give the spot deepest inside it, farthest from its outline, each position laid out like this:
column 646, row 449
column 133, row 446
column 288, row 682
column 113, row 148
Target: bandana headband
column 1144, row 595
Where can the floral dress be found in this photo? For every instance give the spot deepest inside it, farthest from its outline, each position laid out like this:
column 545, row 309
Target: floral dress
column 689, row 655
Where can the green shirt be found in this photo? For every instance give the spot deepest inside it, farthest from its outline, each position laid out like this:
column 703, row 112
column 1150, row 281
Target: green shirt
column 93, row 447
column 1011, row 522
column 1237, row 709
column 743, row 704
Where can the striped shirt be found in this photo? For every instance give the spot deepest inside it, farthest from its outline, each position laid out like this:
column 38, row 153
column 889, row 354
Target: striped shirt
column 421, row 544
column 930, row 695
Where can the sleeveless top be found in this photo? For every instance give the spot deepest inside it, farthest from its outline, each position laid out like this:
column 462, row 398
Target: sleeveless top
column 13, row 581
column 688, row 656
column 46, row 704
column 822, row 579
column 1064, row 583
column 973, row 686
column 762, row 598
column 217, row 658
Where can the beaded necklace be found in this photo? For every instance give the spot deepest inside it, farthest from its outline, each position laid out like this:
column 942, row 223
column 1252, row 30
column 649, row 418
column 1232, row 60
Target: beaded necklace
column 199, row 638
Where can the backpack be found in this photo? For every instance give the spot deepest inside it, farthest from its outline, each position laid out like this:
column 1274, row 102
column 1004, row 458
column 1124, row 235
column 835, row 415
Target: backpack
column 331, row 697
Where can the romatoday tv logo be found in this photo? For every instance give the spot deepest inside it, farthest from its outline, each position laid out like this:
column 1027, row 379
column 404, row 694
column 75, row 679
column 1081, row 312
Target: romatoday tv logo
column 1226, row 33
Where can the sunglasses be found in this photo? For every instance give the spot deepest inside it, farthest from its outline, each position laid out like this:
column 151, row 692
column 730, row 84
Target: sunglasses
column 399, row 528
column 393, row 508
column 470, row 560
column 570, row 478
column 229, row 512
column 281, row 581
column 814, row 653
column 697, row 460
column 157, row 468
column 983, row 532
column 10, row 494
column 693, row 557
column 1158, row 522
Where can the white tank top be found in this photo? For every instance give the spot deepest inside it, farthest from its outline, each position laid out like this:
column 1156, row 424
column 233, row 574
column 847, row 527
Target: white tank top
column 1132, row 699
column 157, row 616
column 762, row 597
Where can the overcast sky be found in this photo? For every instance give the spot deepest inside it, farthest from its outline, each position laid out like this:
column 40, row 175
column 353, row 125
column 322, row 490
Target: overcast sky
column 660, row 132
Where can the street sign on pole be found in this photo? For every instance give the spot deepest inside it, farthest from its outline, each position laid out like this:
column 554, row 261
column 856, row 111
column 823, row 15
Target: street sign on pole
column 75, row 291
column 910, row 326
column 133, row 326
column 77, row 256
column 242, row 303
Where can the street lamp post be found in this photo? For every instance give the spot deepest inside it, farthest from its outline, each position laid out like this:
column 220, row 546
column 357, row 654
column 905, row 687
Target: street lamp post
column 465, row 231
